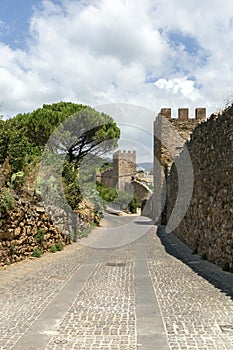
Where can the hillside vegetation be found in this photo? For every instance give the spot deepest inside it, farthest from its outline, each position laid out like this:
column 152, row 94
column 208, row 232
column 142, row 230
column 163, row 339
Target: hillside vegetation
column 24, row 138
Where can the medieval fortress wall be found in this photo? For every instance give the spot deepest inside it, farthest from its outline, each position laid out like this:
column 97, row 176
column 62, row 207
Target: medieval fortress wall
column 122, row 172
column 106, row 178
column 123, row 175
column 207, row 226
column 171, row 144
column 170, row 134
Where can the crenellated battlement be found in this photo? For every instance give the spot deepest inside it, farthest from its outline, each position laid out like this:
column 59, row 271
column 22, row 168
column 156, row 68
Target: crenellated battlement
column 166, row 139
column 119, row 153
column 183, row 113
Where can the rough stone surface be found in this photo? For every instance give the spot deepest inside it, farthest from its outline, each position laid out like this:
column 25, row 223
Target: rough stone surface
column 168, row 144
column 106, row 178
column 27, row 288
column 141, row 191
column 207, row 226
column 124, row 168
column 102, row 314
column 26, row 228
column 120, row 175
column 103, row 317
column 30, row 226
column 196, row 314
column 170, row 134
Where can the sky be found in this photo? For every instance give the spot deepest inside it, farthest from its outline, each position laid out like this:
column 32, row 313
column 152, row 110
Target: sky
column 151, row 54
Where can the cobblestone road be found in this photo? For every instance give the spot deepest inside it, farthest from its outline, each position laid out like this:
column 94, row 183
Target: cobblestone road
column 104, row 316
column 27, row 288
column 196, row 314
column 94, row 295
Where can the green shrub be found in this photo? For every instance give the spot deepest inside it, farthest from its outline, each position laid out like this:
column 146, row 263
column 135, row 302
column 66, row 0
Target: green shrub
column 39, row 236
column 17, row 180
column 70, row 185
column 12, row 248
column 7, row 201
column 37, row 253
column 53, row 249
column 123, row 199
column 226, row 266
column 108, row 194
column 133, row 205
column 59, row 246
column 106, row 166
column 204, row 256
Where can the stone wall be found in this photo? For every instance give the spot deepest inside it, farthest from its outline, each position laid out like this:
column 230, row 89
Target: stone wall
column 145, row 198
column 124, row 168
column 170, row 134
column 170, row 139
column 29, row 226
column 26, row 228
column 123, row 175
column 207, row 226
column 141, row 191
column 106, row 178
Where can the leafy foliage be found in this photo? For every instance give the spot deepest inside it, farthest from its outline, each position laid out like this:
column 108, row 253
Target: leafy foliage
column 71, row 185
column 106, row 165
column 108, row 194
column 83, row 131
column 7, row 201
column 59, row 246
column 134, row 204
column 123, row 199
column 24, row 137
column 53, row 249
column 39, row 236
column 17, row 180
column 37, row 252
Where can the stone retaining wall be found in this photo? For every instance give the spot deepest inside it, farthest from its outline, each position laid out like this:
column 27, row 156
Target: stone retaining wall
column 106, row 178
column 141, row 191
column 26, row 228
column 207, row 226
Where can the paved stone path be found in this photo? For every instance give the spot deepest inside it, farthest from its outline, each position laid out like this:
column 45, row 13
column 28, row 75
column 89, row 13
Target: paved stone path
column 196, row 314
column 137, row 296
column 27, row 288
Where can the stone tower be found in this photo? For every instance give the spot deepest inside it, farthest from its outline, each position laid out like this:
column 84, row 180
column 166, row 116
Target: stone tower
column 124, row 169
column 168, row 144
column 170, row 135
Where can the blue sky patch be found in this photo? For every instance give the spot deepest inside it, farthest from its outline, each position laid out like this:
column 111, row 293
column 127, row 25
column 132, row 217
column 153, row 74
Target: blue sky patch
column 151, row 78
column 15, row 15
column 190, row 44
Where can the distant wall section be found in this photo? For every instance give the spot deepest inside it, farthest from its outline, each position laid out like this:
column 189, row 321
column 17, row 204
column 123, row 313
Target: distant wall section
column 106, row 178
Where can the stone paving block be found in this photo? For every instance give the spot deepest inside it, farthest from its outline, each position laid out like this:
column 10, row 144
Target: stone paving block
column 191, row 307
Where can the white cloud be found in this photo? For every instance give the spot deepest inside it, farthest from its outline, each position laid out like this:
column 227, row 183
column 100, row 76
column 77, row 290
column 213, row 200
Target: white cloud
column 101, row 51
column 115, row 29
column 182, row 86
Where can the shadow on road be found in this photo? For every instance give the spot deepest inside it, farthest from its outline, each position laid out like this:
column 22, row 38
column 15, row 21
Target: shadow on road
column 209, row 271
column 143, row 222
